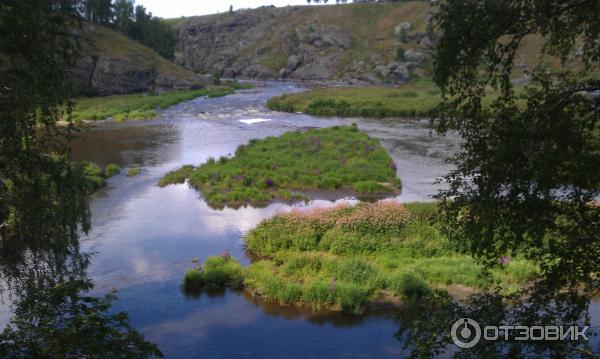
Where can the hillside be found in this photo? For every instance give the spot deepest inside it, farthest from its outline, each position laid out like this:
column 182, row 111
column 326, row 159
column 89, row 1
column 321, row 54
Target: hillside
column 358, row 43
column 354, row 42
column 114, row 64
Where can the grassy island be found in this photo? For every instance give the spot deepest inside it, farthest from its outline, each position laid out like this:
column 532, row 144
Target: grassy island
column 414, row 99
column 344, row 257
column 280, row 168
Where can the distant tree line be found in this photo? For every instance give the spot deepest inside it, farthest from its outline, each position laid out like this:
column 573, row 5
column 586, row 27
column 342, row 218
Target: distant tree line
column 133, row 21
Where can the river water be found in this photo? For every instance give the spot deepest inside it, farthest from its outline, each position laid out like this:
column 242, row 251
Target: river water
column 144, row 237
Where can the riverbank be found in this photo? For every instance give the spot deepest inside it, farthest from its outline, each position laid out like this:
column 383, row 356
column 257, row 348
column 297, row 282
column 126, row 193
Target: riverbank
column 347, row 258
column 413, row 99
column 143, row 105
column 339, row 158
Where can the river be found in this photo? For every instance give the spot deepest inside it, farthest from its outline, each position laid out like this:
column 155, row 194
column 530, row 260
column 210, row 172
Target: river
column 143, row 237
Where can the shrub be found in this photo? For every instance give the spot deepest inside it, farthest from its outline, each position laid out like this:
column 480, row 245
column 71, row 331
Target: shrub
column 216, row 77
column 133, row 171
column 399, row 54
column 410, row 286
column 94, row 175
column 111, row 169
column 193, row 278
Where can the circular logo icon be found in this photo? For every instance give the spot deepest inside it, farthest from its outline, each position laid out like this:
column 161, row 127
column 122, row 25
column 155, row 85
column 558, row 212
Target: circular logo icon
column 465, row 333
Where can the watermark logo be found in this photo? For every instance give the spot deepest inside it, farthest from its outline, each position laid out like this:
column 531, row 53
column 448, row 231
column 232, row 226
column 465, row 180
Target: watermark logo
column 466, row 333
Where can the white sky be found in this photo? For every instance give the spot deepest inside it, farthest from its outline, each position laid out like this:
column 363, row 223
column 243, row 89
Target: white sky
column 176, row 8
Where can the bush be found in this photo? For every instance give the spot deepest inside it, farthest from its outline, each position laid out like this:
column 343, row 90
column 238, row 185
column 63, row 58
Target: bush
column 399, row 54
column 111, row 169
column 410, row 286
column 193, row 279
column 94, row 175
column 132, row 172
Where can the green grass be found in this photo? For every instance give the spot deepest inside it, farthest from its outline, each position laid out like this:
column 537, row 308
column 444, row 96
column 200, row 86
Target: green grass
column 94, row 175
column 140, row 106
column 133, row 171
column 413, row 99
column 346, row 256
column 277, row 168
column 217, row 271
column 111, row 169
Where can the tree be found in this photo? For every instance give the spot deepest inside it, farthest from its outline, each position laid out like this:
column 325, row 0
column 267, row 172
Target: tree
column 123, row 15
column 44, row 196
column 529, row 167
column 98, row 11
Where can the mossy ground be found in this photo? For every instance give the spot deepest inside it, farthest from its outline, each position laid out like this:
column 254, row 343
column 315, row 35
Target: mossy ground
column 414, row 99
column 280, row 168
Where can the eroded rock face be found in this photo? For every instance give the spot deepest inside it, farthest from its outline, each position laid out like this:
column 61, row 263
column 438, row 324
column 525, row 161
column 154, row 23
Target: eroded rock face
column 102, row 72
column 272, row 43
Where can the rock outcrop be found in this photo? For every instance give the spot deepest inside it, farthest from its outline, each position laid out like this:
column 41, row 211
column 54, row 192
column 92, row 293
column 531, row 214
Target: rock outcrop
column 113, row 64
column 347, row 43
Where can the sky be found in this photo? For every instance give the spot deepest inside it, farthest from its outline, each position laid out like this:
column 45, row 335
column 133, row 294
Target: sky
column 177, row 8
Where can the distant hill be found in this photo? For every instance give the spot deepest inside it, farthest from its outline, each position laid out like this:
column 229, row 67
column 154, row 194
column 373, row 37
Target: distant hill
column 374, row 43
column 111, row 63
column 353, row 42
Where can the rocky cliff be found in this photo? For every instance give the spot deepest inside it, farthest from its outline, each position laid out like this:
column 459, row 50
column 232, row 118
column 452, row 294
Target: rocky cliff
column 111, row 63
column 350, row 43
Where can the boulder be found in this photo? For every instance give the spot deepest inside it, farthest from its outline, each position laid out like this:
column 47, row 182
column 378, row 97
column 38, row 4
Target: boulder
column 229, row 73
column 425, row 43
column 411, row 55
column 402, row 27
column 395, row 71
column 293, row 62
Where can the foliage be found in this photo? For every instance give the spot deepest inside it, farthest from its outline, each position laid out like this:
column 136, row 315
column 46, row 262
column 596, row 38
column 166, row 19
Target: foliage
column 94, row 175
column 216, row 77
column 344, row 256
column 399, row 54
column 133, row 172
column 527, row 175
column 111, row 169
column 414, row 99
column 268, row 169
column 134, row 22
column 137, row 106
column 44, row 197
column 62, row 323
column 528, row 170
column 217, row 271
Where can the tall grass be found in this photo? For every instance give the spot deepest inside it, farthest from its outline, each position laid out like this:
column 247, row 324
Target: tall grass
column 341, row 257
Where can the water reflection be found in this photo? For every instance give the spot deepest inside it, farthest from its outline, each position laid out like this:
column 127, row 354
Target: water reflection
column 144, row 236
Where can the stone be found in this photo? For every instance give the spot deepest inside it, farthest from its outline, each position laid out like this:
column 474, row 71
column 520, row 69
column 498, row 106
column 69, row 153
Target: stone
column 402, row 27
column 411, row 55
